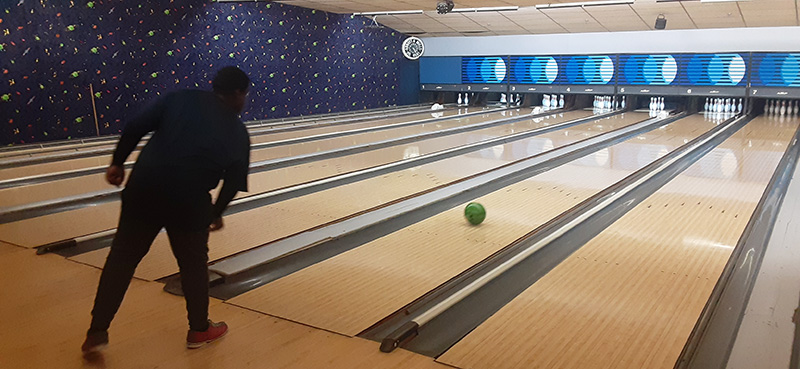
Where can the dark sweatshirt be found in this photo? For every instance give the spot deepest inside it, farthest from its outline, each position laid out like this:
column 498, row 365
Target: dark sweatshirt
column 197, row 142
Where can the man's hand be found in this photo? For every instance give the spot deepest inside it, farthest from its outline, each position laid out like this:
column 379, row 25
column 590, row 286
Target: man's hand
column 115, row 174
column 216, row 225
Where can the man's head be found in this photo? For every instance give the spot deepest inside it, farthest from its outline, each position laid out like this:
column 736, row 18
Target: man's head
column 232, row 85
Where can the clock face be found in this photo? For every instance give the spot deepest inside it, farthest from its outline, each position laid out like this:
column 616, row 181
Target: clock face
column 413, row 48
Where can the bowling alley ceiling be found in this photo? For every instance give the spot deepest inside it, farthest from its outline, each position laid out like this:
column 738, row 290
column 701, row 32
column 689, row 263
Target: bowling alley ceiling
column 637, row 15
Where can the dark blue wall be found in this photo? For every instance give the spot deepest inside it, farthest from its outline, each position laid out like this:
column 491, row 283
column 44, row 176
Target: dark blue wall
column 446, row 70
column 301, row 61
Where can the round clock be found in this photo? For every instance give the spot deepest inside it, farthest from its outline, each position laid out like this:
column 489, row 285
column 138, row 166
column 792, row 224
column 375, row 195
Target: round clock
column 413, row 48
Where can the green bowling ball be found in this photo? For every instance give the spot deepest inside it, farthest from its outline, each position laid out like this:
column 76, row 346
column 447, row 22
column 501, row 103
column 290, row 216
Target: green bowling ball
column 475, row 213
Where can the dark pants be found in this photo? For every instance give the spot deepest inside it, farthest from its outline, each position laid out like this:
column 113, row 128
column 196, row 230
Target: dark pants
column 144, row 214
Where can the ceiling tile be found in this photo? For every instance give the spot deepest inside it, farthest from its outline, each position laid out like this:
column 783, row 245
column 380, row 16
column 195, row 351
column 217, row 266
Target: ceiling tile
column 769, row 13
column 638, row 16
column 676, row 15
column 574, row 19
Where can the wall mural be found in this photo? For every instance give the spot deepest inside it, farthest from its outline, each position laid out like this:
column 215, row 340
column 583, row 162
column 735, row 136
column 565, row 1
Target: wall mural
column 776, row 69
column 301, row 61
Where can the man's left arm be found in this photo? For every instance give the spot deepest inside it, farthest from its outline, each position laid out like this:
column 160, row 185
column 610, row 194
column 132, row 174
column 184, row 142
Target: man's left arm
column 234, row 180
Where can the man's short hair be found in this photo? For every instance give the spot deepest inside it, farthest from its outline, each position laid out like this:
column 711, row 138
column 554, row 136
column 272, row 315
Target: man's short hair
column 229, row 80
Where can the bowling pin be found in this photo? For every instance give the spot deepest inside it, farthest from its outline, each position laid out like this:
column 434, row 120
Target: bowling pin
column 705, row 107
column 546, row 101
column 623, row 102
column 466, row 99
column 783, row 107
column 561, row 101
column 459, row 99
column 739, row 107
column 796, row 109
column 662, row 106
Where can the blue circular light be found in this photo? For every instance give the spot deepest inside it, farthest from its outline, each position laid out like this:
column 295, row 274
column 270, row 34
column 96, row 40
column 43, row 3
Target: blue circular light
column 551, row 70
column 606, row 66
column 790, row 70
column 492, row 70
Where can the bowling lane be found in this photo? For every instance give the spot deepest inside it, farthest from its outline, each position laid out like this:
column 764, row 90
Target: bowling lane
column 310, row 122
column 251, row 126
column 367, row 137
column 96, row 182
column 35, row 150
column 59, row 166
column 310, row 131
column 272, row 222
column 350, row 292
column 630, row 297
column 56, row 227
column 263, row 154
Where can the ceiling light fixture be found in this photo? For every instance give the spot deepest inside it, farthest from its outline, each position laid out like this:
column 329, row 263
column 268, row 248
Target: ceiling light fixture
column 702, row 1
column 395, row 12
column 486, row 9
column 583, row 4
column 445, row 6
column 661, row 22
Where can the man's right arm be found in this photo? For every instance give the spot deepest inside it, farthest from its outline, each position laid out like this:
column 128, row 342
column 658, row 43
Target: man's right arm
column 147, row 121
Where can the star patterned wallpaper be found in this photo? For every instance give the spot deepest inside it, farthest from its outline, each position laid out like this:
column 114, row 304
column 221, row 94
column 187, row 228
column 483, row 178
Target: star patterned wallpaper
column 58, row 57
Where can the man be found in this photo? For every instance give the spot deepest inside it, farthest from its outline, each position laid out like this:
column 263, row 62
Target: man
column 198, row 140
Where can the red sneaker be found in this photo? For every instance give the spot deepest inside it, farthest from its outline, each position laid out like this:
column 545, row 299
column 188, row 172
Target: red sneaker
column 195, row 339
column 94, row 342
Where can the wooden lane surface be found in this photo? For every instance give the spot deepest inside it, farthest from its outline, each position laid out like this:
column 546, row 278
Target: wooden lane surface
column 275, row 136
column 21, row 195
column 267, row 136
column 630, row 297
column 47, row 300
column 58, row 166
column 265, row 224
column 255, row 155
column 96, row 182
column 350, row 292
column 59, row 226
column 368, row 137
